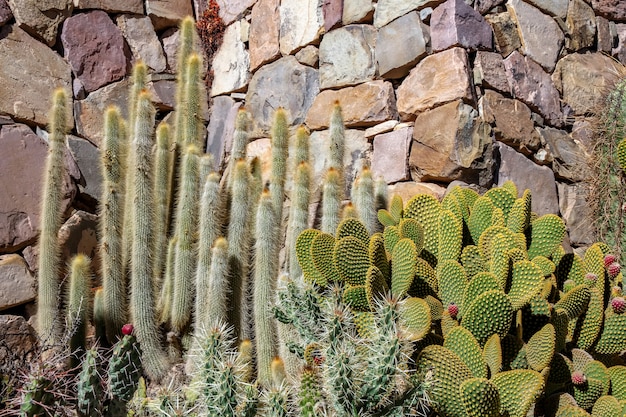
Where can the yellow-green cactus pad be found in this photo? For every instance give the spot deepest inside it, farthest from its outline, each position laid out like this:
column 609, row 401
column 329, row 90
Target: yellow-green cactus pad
column 607, row 406
column 365, row 323
column 597, row 370
column 378, row 255
column 415, row 318
column 436, row 307
column 540, row 348
column 490, row 313
column 425, row 273
column 613, row 337
column 481, row 217
column 450, row 372
column 358, row 297
column 621, row 154
column 517, row 254
column 481, row 283
column 519, row 215
column 425, row 209
column 469, row 196
column 500, row 262
column 447, row 322
column 590, row 323
column 570, row 266
column 322, row 251
column 385, row 218
column 460, row 341
column 580, row 359
column 352, row 260
column 539, row 306
column 574, row 302
column 618, row 381
column 392, row 216
column 526, row 283
column 594, row 260
column 452, row 202
column 391, row 236
column 560, row 320
column 502, row 199
column 452, row 282
column 352, row 227
column 511, row 348
column 376, row 281
column 571, row 411
column 480, row 398
column 472, row 260
column 510, row 187
column 403, row 260
column 492, row 354
column 547, row 233
column 519, row 389
column 412, row 229
column 305, row 257
column 513, row 240
column 588, row 393
column 546, row 265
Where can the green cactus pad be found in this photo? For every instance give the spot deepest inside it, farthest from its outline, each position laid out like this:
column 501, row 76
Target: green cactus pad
column 607, row 406
column 501, row 263
column 451, row 202
column 518, row 389
column 547, row 233
column 412, row 229
column 613, row 337
column 450, row 372
column 574, row 302
column 391, row 236
column 546, row 265
column 480, row 398
column 436, row 308
column 376, row 281
column 618, row 381
column 486, row 240
column 570, row 266
column 425, row 273
column 354, row 228
column 305, row 257
column 89, row 387
column 490, row 313
column 447, row 322
column 403, row 261
column 460, row 341
column 481, row 217
column 392, row 216
column 526, row 283
column 351, row 258
column 571, row 411
column 425, row 209
column 322, row 251
column 472, row 260
column 597, row 370
column 479, row 284
column 450, row 231
column 511, row 348
column 594, row 260
column 510, row 187
column 415, row 318
column 539, row 306
column 385, row 218
column 590, row 323
column 540, row 348
column 124, row 368
column 378, row 255
column 358, row 297
column 519, row 215
column 492, row 354
column 452, row 282
column 365, row 323
column 587, row 394
column 503, row 199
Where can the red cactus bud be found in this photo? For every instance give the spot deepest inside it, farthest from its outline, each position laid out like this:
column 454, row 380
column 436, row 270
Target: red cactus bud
column 127, row 329
column 609, row 259
column 618, row 304
column 578, row 378
column 453, row 310
column 614, row 269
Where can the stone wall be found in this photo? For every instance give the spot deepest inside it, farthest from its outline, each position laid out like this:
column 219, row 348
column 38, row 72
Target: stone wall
column 433, row 92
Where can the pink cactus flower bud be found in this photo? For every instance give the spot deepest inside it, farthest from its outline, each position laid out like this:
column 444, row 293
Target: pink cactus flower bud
column 453, row 310
column 609, row 259
column 578, row 378
column 618, row 304
column 127, row 329
column 590, row 276
column 614, row 269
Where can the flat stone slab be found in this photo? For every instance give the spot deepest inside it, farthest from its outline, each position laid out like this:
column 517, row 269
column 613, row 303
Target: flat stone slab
column 17, row 285
column 41, row 18
column 390, row 155
column 231, row 63
column 301, row 23
column 454, row 23
column 388, row 10
column 142, row 39
column 400, row 45
column 264, row 33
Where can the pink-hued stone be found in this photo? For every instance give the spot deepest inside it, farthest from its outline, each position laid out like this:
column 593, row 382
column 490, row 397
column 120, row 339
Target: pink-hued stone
column 611, row 9
column 264, row 33
column 454, row 23
column 332, row 10
column 390, row 155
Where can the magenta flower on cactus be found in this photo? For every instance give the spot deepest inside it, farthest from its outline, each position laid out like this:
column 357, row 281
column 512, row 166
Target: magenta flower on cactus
column 127, row 329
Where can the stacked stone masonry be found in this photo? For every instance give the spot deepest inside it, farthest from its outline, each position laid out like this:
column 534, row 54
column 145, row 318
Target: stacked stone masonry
column 434, row 93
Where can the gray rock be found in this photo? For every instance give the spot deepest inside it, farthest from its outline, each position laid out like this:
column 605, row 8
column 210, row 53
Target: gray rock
column 301, row 23
column 221, row 127
column 579, row 78
column 619, row 51
column 400, row 45
column 541, row 37
column 27, row 84
column 167, row 13
column 357, row 11
column 17, row 285
column 527, row 175
column 5, row 12
column 347, row 56
column 439, row 78
column 390, row 155
column 388, row 10
column 111, row 6
column 449, row 144
column 483, row 6
column 531, row 84
column 454, row 23
column 20, row 198
column 489, row 71
column 309, row 55
column 570, row 159
column 264, row 33
column 269, row 90
column 171, row 40
column 78, row 235
column 581, row 26
column 31, row 256
column 512, row 120
column 605, row 37
column 231, row 63
column 19, row 344
column 41, row 18
column 505, row 33
column 94, row 47
column 87, row 156
column 231, row 10
column 577, row 214
column 557, row 8
column 143, row 41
